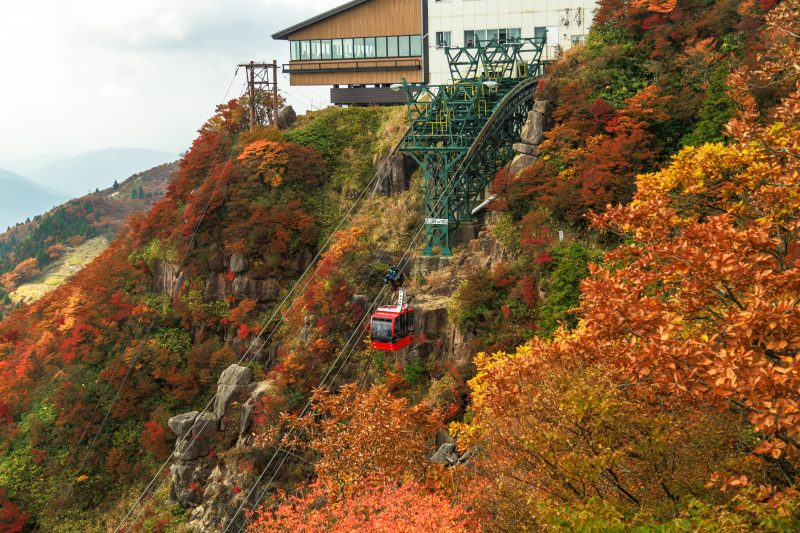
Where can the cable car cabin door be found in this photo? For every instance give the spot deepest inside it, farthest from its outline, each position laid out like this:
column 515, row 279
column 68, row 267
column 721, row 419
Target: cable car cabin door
column 392, row 330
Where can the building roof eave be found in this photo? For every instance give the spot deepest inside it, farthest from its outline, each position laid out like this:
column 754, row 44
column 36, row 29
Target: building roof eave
column 284, row 34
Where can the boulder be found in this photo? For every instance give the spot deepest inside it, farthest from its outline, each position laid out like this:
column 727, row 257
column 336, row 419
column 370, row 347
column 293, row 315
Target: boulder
column 238, row 263
column 446, row 454
column 217, row 288
column 430, row 317
column 167, row 278
column 265, row 290
column 190, row 448
column 538, row 122
column 305, row 332
column 528, row 149
column 544, row 107
column 520, row 163
column 188, row 479
column 181, row 424
column 205, row 426
column 286, row 117
column 394, row 173
column 460, row 347
column 229, row 384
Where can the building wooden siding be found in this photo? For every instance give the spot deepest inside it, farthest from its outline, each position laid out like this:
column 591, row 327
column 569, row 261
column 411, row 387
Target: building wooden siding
column 347, row 78
column 370, row 19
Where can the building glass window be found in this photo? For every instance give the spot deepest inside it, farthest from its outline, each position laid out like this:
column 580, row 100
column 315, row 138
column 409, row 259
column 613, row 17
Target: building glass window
column 577, row 39
column 336, row 49
column 369, row 46
column 325, row 45
column 358, row 47
column 503, row 35
column 348, row 48
column 552, row 35
column 442, row 39
column 416, row 45
column 380, row 46
column 392, row 46
column 469, row 39
column 540, row 33
column 403, row 47
column 315, row 52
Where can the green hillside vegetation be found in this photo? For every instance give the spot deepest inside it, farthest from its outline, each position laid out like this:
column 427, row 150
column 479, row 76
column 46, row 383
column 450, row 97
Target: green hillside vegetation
column 617, row 351
column 59, row 270
column 47, row 237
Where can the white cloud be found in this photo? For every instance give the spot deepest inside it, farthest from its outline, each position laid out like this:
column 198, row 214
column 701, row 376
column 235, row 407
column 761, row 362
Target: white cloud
column 87, row 74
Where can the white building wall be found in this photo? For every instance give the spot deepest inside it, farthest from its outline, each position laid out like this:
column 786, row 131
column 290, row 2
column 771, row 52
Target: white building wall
column 568, row 19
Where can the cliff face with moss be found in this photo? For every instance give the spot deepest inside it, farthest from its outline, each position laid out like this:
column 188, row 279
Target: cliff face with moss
column 616, row 350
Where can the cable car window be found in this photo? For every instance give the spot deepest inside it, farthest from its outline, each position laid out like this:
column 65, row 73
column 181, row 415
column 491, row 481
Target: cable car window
column 410, row 326
column 400, row 326
column 382, row 329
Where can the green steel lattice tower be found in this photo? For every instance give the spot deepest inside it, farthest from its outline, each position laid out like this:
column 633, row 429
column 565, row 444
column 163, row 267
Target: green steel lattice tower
column 461, row 133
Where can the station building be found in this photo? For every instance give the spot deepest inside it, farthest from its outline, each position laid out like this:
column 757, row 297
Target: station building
column 363, row 47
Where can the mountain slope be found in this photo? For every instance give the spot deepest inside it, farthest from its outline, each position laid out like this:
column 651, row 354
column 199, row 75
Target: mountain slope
column 58, row 235
column 22, row 199
column 85, row 172
column 658, row 393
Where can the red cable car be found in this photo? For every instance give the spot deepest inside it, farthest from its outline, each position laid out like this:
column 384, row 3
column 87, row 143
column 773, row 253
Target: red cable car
column 392, row 327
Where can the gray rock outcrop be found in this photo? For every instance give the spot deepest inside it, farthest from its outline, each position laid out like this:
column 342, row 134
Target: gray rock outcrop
column 231, row 382
column 196, row 434
column 262, row 290
column 448, row 454
column 238, row 263
column 538, row 122
column 286, row 117
column 217, row 288
column 167, row 278
column 394, row 173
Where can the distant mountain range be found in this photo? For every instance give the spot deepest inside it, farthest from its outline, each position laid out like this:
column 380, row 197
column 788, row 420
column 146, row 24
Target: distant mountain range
column 26, row 164
column 21, row 198
column 83, row 173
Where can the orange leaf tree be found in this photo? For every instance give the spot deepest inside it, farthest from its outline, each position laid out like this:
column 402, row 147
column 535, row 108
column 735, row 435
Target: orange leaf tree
column 379, row 507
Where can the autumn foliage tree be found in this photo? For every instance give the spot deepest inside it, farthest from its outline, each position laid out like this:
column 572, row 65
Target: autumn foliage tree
column 365, row 443
column 359, row 437
column 690, row 324
column 379, row 507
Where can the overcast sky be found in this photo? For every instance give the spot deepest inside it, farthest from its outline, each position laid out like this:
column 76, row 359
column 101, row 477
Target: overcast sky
column 79, row 75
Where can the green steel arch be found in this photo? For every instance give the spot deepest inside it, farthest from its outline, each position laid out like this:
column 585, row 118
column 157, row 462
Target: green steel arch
column 462, row 133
